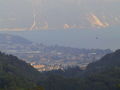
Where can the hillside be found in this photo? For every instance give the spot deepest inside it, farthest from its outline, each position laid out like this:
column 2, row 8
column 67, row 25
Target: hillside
column 16, row 74
column 100, row 75
column 108, row 61
column 13, row 39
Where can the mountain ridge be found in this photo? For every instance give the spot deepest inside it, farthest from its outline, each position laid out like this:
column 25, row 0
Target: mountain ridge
column 15, row 74
column 13, row 39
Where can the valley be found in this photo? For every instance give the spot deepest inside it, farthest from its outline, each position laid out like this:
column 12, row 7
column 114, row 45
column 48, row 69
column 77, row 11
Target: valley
column 46, row 58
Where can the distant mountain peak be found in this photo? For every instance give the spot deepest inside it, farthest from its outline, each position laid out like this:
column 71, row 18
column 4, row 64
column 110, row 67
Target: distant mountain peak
column 13, row 39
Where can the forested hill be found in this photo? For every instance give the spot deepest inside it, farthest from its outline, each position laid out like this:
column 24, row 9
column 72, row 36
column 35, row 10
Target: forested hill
column 16, row 74
column 100, row 75
column 111, row 60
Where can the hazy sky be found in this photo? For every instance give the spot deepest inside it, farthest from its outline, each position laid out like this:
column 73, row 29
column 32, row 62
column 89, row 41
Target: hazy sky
column 102, row 38
column 101, row 18
column 57, row 14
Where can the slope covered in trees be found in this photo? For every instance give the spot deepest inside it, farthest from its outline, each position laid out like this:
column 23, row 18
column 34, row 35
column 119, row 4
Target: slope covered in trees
column 100, row 75
column 16, row 74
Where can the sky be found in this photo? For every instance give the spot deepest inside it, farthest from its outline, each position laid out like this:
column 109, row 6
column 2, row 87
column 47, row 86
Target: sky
column 89, row 39
column 75, row 23
column 58, row 14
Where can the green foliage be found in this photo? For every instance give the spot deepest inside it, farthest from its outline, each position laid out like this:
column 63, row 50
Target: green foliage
column 100, row 75
column 16, row 74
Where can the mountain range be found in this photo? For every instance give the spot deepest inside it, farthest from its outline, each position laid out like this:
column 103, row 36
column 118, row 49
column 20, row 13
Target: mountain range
column 49, row 55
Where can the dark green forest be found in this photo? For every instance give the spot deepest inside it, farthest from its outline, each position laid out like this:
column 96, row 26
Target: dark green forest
column 16, row 74
column 104, row 74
